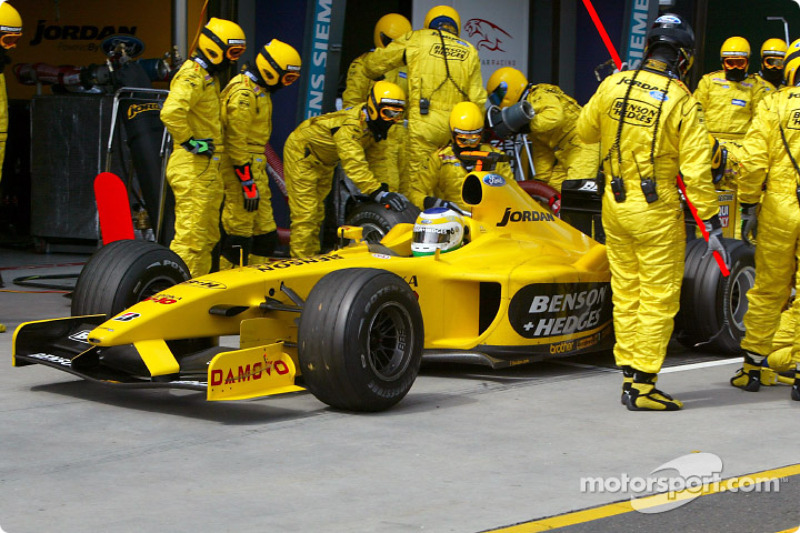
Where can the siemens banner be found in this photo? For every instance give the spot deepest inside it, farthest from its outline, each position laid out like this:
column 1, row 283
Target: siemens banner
column 639, row 15
column 320, row 36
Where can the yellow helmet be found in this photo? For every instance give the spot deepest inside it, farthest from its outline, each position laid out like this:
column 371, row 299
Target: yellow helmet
column 221, row 39
column 278, row 63
column 443, row 18
column 791, row 64
column 773, row 52
column 466, row 124
column 735, row 53
column 386, row 102
column 389, row 27
column 10, row 26
column 506, row 86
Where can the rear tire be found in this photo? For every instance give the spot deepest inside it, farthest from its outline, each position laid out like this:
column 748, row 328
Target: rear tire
column 123, row 273
column 360, row 339
column 377, row 220
column 713, row 306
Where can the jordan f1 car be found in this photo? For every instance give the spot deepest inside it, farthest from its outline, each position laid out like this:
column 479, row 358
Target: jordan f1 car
column 352, row 324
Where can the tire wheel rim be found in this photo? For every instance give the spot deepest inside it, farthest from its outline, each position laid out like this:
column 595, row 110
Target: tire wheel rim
column 389, row 341
column 372, row 232
column 153, row 287
column 737, row 301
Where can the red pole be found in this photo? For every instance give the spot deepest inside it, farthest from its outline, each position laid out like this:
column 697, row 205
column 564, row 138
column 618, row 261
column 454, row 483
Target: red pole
column 603, row 33
column 702, row 226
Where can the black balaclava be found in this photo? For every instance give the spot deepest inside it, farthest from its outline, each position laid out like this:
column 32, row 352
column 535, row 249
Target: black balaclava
column 735, row 74
column 663, row 58
column 773, row 75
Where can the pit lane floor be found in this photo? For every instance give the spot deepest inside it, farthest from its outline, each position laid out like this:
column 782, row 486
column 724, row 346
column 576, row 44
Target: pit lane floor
column 467, row 450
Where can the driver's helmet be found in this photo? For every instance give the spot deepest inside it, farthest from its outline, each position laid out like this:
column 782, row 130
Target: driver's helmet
column 438, row 228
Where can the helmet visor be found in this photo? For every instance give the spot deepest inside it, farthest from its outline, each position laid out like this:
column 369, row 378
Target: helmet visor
column 734, row 63
column 773, row 62
column 391, row 113
column 431, row 235
column 234, row 52
column 9, row 40
column 289, row 78
column 497, row 96
column 468, row 140
column 444, row 23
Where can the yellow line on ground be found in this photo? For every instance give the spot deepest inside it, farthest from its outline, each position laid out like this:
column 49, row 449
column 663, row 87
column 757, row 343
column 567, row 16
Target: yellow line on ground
column 648, row 502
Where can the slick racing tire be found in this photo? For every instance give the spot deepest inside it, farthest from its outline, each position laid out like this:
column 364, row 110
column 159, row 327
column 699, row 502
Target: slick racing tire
column 377, row 220
column 360, row 339
column 712, row 306
column 123, row 273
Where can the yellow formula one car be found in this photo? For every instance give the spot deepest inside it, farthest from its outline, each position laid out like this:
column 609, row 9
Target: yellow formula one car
column 354, row 323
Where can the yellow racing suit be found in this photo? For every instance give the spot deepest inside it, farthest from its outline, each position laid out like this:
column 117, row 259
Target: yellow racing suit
column 784, row 356
column 646, row 241
column 443, row 176
column 778, row 216
column 192, row 110
column 766, row 85
column 386, row 159
column 728, row 105
column 437, row 81
column 247, row 126
column 310, row 156
column 558, row 151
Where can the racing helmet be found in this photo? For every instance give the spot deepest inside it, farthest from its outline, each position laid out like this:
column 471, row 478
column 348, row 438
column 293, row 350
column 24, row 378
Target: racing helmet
column 443, row 18
column 389, row 27
column 278, row 63
column 437, row 228
column 466, row 125
column 735, row 54
column 672, row 30
column 10, row 26
column 773, row 52
column 386, row 102
column 791, row 64
column 506, row 86
column 221, row 39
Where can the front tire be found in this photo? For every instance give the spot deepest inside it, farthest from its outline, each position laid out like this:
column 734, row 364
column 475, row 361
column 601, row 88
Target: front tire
column 360, row 339
column 377, row 220
column 123, row 273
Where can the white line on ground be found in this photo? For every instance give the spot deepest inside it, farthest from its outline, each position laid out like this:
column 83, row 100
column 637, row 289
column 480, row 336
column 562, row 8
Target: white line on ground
column 667, row 370
column 695, row 366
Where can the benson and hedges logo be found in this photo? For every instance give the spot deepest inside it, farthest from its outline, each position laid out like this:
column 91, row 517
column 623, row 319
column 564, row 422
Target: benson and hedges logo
column 679, row 481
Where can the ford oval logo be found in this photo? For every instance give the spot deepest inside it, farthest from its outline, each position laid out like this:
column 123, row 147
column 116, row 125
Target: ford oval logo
column 133, row 46
column 494, row 180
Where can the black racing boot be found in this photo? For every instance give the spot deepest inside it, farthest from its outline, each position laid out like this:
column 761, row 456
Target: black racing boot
column 627, row 379
column 796, row 386
column 748, row 377
column 644, row 396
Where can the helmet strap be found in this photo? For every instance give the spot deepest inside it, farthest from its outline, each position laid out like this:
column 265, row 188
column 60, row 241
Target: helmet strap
column 201, row 59
column 255, row 76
